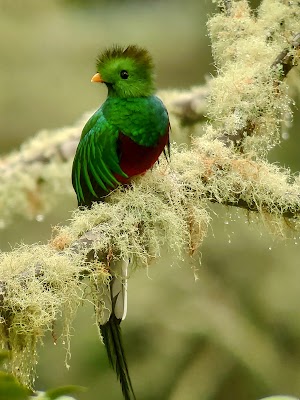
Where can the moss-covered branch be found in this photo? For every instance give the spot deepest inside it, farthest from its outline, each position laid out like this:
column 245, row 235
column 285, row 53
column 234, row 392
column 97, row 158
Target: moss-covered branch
column 288, row 58
column 253, row 53
column 245, row 103
column 39, row 186
column 168, row 206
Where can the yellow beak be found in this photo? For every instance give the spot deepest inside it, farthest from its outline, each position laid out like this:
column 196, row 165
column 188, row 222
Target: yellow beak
column 97, row 78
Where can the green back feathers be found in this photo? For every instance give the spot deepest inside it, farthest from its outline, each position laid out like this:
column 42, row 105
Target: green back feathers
column 127, row 72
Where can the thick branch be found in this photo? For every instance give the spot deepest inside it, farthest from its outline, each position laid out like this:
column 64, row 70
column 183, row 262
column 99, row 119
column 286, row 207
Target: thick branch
column 168, row 206
column 210, row 178
column 207, row 172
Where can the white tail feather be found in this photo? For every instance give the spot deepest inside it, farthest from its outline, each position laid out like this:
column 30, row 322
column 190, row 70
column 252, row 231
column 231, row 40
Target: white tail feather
column 114, row 297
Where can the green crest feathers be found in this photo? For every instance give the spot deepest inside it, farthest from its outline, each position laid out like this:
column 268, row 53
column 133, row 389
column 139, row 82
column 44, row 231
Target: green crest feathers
column 137, row 65
column 140, row 55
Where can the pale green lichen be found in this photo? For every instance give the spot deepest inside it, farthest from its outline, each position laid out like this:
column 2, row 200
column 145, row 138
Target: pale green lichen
column 136, row 223
column 166, row 208
column 247, row 95
column 39, row 287
column 33, row 179
column 213, row 172
column 41, row 283
column 246, row 98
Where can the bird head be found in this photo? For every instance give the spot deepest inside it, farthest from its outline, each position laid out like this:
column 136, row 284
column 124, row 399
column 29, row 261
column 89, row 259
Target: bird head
column 127, row 72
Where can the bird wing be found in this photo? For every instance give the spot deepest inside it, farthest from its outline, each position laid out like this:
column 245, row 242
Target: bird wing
column 96, row 160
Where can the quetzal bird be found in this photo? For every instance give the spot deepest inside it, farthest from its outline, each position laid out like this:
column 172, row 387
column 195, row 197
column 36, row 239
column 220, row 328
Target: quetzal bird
column 123, row 138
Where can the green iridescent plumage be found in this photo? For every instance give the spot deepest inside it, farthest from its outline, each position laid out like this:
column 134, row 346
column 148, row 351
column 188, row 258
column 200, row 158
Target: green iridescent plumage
column 133, row 59
column 96, row 158
column 123, row 138
column 142, row 119
column 130, row 109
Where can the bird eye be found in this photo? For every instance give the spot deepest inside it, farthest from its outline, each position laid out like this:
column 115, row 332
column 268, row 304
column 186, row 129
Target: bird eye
column 124, row 74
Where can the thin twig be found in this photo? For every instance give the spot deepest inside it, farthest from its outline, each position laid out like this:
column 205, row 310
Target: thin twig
column 288, row 58
column 290, row 212
column 226, row 6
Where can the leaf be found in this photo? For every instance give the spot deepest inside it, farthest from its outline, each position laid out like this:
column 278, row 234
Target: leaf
column 62, row 391
column 10, row 389
column 280, row 398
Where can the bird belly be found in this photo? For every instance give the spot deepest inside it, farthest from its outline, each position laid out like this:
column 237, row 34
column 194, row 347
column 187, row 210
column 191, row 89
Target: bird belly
column 136, row 159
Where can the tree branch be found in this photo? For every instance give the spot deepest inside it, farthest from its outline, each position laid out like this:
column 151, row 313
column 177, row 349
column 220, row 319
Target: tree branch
column 284, row 62
column 59, row 147
column 226, row 6
column 170, row 202
column 288, row 58
column 168, row 206
column 209, row 172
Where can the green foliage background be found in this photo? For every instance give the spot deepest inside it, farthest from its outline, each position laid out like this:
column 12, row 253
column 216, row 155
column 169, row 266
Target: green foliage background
column 231, row 334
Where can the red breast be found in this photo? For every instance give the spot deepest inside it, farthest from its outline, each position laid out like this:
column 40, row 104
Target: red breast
column 136, row 159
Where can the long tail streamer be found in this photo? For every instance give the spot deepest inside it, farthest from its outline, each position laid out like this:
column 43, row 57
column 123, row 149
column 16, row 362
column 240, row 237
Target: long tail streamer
column 111, row 334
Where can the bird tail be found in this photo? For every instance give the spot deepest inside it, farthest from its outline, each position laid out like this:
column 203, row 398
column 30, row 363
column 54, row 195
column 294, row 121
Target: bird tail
column 111, row 334
column 114, row 309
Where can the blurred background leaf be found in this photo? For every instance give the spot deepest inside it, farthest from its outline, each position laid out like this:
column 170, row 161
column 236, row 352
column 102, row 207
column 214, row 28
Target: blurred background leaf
column 231, row 334
column 280, row 398
column 10, row 389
